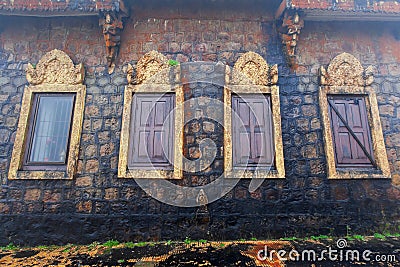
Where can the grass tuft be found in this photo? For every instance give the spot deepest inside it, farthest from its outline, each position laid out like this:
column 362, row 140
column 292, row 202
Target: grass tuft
column 111, row 243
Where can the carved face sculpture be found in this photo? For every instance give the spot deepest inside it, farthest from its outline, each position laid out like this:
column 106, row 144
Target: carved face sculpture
column 108, row 19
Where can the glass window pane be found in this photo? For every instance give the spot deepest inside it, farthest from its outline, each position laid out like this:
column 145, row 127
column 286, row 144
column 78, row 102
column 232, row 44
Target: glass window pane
column 51, row 130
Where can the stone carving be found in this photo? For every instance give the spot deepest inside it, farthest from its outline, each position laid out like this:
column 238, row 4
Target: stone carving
column 346, row 70
column 55, row 67
column 290, row 31
column 369, row 75
column 202, row 213
column 150, row 64
column 251, row 68
column 111, row 23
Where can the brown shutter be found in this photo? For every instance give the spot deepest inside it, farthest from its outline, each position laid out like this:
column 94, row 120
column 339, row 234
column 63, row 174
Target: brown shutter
column 252, row 131
column 151, row 142
column 350, row 152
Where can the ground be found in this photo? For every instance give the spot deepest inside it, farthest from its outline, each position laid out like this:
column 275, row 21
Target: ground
column 352, row 251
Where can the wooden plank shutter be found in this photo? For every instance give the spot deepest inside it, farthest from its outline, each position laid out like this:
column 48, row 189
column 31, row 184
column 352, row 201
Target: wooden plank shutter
column 350, row 152
column 252, row 136
column 151, row 142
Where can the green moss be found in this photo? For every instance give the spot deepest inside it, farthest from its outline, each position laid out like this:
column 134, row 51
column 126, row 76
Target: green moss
column 358, row 237
column 172, row 62
column 129, row 244
column 187, row 241
column 93, row 245
column 288, row 238
column 379, row 236
column 10, row 246
column 319, row 237
column 111, row 243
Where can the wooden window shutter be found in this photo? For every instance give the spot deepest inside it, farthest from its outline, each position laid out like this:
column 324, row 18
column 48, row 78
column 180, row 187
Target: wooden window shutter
column 152, row 121
column 252, row 136
column 350, row 130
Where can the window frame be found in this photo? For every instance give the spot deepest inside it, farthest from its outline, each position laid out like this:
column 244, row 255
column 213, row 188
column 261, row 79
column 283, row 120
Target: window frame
column 153, row 75
column 152, row 172
column 16, row 170
column 346, row 76
column 252, row 75
column 258, row 172
column 32, row 166
column 382, row 169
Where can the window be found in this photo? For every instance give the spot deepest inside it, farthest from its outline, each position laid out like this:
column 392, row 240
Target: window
column 151, row 144
column 152, row 135
column 49, row 131
column 50, row 123
column 252, row 135
column 252, row 124
column 352, row 131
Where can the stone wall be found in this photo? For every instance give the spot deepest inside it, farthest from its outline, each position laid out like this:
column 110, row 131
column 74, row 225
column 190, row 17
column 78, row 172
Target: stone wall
column 97, row 205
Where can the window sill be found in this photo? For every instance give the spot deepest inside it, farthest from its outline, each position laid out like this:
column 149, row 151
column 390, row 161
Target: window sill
column 152, row 174
column 358, row 173
column 41, row 175
column 254, row 173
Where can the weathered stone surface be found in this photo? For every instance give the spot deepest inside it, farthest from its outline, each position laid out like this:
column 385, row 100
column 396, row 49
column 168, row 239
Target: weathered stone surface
column 32, row 194
column 35, row 212
column 92, row 166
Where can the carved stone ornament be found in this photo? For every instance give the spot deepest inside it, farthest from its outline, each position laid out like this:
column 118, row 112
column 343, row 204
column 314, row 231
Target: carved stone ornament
column 55, row 67
column 346, row 70
column 290, row 31
column 112, row 26
column 251, row 68
column 148, row 66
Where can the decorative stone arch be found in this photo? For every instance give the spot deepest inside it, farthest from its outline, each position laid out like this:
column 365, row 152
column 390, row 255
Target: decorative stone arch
column 346, row 76
column 346, row 70
column 154, row 75
column 252, row 75
column 251, row 68
column 54, row 73
column 55, row 67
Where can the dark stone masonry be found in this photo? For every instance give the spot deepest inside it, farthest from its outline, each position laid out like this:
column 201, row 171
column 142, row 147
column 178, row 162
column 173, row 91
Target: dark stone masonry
column 97, row 205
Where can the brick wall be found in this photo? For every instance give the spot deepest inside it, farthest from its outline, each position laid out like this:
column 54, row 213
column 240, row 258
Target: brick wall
column 96, row 205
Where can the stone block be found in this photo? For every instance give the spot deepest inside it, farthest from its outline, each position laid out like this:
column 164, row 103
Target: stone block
column 309, row 110
column 32, row 194
column 386, row 110
column 111, row 193
column 84, row 206
column 85, row 181
column 92, row 166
